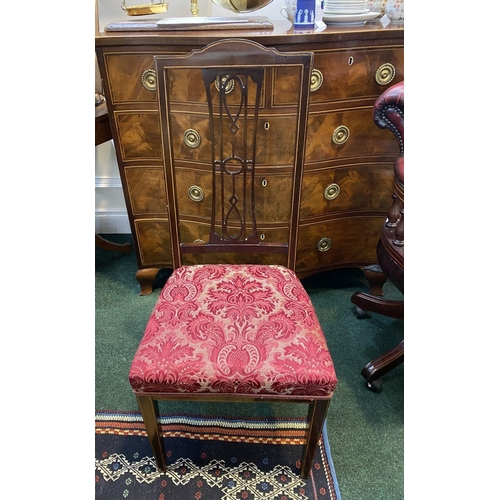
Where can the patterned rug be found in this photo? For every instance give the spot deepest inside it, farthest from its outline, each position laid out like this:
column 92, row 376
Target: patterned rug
column 209, row 459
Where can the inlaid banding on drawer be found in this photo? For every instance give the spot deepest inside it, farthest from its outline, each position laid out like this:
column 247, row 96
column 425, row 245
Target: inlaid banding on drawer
column 125, row 74
column 139, row 134
column 186, row 87
column 348, row 236
column 285, row 86
column 364, row 138
column 146, row 189
column 275, row 138
column 153, row 239
column 360, row 188
column 346, row 78
column 346, row 187
column 273, row 195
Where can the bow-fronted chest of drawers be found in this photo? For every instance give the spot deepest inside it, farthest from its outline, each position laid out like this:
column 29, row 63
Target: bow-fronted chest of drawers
column 346, row 188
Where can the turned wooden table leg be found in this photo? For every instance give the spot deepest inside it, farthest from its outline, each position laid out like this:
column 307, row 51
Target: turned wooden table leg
column 376, row 279
column 146, row 278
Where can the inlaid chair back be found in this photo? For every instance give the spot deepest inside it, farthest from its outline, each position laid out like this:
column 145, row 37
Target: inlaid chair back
column 233, row 322
column 251, row 190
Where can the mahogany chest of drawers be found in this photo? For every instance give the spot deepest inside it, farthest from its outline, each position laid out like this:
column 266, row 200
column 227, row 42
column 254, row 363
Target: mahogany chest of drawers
column 346, row 188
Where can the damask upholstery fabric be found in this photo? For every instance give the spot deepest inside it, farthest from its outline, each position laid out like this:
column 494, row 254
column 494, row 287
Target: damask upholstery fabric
column 245, row 329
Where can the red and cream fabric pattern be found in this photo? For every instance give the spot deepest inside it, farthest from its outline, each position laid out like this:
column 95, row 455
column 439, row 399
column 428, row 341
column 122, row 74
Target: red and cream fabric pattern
column 222, row 329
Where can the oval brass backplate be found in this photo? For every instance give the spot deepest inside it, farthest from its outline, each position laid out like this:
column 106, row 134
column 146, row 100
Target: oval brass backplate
column 385, row 74
column 324, row 244
column 340, row 135
column 149, row 80
column 192, row 138
column 196, row 193
column 229, row 84
column 331, row 192
column 316, row 79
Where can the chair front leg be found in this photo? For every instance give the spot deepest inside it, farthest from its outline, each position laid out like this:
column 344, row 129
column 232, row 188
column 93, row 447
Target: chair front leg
column 151, row 418
column 316, row 418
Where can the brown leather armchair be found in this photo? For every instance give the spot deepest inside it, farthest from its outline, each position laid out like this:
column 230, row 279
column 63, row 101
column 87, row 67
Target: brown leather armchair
column 388, row 112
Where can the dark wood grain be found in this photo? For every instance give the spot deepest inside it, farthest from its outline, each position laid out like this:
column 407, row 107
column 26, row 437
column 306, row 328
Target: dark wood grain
column 347, row 57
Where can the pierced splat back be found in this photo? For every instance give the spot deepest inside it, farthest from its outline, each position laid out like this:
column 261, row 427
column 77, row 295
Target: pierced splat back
column 226, row 149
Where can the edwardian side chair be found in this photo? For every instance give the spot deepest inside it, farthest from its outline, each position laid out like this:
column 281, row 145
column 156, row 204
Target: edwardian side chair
column 225, row 331
column 388, row 112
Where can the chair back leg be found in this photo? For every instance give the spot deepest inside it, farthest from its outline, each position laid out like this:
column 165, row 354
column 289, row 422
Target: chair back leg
column 316, row 419
column 151, row 418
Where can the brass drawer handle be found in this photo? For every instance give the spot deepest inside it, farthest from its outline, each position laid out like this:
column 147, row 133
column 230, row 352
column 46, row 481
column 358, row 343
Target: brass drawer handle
column 196, row 193
column 192, row 138
column 229, row 85
column 324, row 244
column 385, row 74
column 316, row 79
column 198, row 241
column 149, row 80
column 340, row 135
column 331, row 192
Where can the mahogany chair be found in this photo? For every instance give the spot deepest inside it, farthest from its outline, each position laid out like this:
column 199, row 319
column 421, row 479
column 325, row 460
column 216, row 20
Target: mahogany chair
column 222, row 331
column 388, row 112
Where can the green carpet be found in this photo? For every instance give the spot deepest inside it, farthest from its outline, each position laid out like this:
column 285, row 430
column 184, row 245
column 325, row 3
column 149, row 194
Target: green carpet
column 366, row 430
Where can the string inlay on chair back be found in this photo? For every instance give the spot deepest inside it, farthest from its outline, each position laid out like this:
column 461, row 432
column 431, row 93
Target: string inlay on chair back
column 225, row 98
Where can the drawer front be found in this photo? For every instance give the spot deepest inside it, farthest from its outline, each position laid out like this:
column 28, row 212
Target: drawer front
column 153, row 240
column 146, row 189
column 186, row 86
column 349, row 133
column 126, row 74
column 192, row 231
column 272, row 190
column 343, row 87
column 361, row 187
column 139, row 135
column 354, row 73
column 337, row 75
column 347, row 74
column 344, row 241
column 275, row 138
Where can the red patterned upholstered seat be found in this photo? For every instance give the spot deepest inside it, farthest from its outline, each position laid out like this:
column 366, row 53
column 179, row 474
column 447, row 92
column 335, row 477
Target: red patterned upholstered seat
column 246, row 329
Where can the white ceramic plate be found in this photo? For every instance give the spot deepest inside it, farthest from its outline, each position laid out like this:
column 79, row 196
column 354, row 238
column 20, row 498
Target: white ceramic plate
column 355, row 2
column 349, row 18
column 360, row 5
column 335, row 12
column 344, row 4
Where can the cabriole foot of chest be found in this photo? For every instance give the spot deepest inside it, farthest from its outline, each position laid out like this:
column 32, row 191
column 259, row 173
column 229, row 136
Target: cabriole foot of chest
column 376, row 279
column 146, row 278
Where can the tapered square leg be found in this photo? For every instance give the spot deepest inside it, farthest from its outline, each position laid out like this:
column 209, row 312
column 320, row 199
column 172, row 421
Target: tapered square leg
column 151, row 418
column 316, row 419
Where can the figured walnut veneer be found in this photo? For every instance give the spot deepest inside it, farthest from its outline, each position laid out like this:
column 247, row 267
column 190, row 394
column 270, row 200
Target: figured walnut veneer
column 346, row 62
